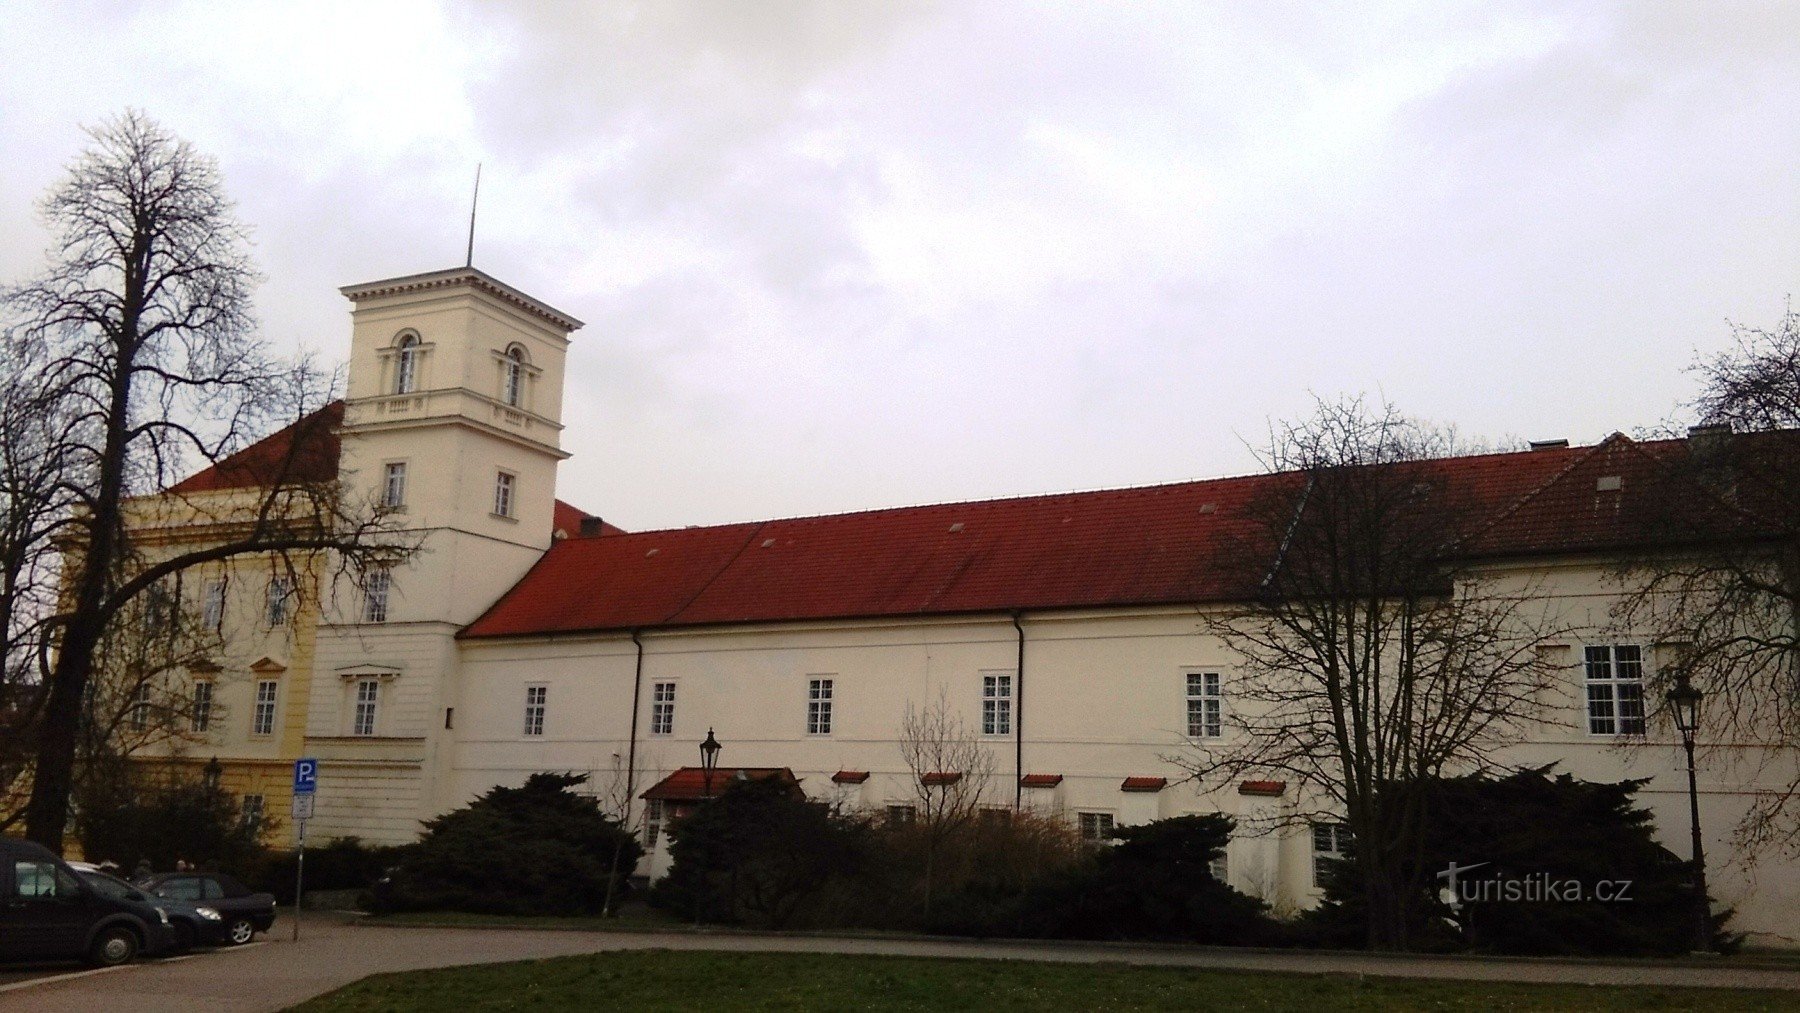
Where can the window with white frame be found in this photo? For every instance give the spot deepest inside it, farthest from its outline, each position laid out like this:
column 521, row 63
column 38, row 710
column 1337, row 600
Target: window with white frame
column 996, row 704
column 393, row 484
column 662, row 708
column 1615, row 689
column 275, row 608
column 1205, row 705
column 512, row 388
column 503, row 493
column 406, row 365
column 535, row 700
column 253, row 811
column 1096, row 828
column 653, row 823
column 1331, row 842
column 902, row 815
column 376, row 585
column 201, row 716
column 139, row 718
column 368, row 696
column 212, row 604
column 818, row 706
column 262, row 716
column 1220, row 868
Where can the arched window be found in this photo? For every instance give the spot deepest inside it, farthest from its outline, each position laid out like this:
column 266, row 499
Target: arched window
column 406, row 365
column 513, row 389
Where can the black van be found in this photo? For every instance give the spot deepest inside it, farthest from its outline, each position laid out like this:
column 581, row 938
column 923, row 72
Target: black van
column 48, row 913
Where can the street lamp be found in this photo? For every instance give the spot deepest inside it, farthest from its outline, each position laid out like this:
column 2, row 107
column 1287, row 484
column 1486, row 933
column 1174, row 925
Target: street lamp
column 709, row 760
column 1684, row 705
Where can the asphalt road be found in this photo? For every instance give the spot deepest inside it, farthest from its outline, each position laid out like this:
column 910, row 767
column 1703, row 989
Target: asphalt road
column 275, row 973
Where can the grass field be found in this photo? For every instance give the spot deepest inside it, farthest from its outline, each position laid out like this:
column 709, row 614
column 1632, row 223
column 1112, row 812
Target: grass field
column 663, row 980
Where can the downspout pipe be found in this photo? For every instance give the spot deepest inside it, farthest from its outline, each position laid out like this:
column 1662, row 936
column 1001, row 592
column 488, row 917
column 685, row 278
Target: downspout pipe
column 637, row 689
column 1019, row 718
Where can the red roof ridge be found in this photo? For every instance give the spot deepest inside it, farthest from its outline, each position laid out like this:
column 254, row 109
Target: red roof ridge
column 245, row 467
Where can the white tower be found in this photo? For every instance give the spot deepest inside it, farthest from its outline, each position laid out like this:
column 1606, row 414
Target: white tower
column 453, row 416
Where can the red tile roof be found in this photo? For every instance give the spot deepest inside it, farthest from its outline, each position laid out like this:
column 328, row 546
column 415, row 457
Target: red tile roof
column 1144, row 784
column 689, row 784
column 1040, row 780
column 850, row 776
column 306, row 451
column 1155, row 545
column 1271, row 789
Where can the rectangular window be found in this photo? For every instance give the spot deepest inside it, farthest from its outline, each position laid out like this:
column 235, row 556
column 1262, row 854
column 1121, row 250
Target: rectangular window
column 818, row 707
column 367, row 695
column 377, row 583
column 902, row 815
column 262, row 718
column 1205, row 706
column 996, row 705
column 1219, row 869
column 280, row 589
column 662, row 709
column 1096, row 828
column 140, row 707
column 253, row 811
column 1615, row 690
column 203, row 700
column 1330, row 843
column 653, row 823
column 535, row 697
column 393, row 484
column 503, row 494
column 212, row 605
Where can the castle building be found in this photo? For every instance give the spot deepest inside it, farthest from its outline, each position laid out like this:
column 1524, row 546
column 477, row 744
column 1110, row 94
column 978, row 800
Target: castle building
column 1069, row 631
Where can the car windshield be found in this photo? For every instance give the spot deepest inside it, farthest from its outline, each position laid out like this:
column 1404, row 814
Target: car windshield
column 108, row 885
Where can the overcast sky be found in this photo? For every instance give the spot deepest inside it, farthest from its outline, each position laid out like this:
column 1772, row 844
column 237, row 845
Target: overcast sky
column 835, row 256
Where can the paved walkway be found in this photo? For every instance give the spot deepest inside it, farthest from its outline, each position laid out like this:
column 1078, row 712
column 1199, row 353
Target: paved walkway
column 331, row 952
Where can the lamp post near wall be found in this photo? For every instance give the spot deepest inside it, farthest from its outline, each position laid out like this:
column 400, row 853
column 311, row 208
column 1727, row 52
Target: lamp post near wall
column 1684, row 704
column 709, row 762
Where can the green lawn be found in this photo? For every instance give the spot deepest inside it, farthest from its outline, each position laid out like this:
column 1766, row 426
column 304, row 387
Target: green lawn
column 663, row 980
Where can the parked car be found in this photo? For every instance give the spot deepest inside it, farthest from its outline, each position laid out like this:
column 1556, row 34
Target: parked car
column 192, row 924
column 244, row 911
column 48, row 912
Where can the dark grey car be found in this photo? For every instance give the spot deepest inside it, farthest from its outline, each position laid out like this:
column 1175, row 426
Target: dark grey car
column 245, row 912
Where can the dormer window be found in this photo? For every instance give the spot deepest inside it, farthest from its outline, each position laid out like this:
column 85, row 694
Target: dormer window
column 512, row 387
column 406, row 365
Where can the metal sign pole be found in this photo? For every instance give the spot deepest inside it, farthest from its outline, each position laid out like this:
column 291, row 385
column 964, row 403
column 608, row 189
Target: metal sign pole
column 299, row 877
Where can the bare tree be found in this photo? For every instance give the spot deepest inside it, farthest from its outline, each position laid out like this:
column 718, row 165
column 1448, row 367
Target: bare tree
column 1723, row 581
column 951, row 770
column 1371, row 660
column 142, row 323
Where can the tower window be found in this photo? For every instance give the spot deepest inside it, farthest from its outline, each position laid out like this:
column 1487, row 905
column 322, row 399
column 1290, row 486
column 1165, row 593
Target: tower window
column 512, row 391
column 503, row 494
column 393, row 484
column 406, row 365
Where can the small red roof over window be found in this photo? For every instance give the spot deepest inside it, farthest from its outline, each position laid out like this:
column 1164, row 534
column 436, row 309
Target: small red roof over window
column 850, row 776
column 1270, row 789
column 689, row 784
column 1040, row 780
column 1144, row 784
column 940, row 777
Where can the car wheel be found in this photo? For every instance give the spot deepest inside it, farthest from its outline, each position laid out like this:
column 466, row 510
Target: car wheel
column 240, row 931
column 113, row 946
column 184, row 936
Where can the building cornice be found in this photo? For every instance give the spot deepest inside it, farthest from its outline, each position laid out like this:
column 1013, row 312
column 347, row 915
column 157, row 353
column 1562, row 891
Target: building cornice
column 457, row 277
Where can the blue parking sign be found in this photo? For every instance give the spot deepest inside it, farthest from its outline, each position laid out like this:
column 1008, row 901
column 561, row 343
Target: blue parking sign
column 306, row 776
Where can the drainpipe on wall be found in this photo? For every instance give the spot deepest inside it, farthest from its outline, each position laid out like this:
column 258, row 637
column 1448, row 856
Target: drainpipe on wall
column 1019, row 719
column 637, row 688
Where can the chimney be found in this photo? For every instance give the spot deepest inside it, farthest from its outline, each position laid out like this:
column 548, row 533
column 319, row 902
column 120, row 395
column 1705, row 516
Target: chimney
column 1706, row 441
column 590, row 526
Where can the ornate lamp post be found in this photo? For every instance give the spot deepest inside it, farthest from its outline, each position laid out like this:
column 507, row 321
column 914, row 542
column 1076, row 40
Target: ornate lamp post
column 709, row 760
column 1684, row 705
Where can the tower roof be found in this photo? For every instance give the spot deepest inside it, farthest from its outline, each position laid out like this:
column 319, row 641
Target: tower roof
column 462, row 276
